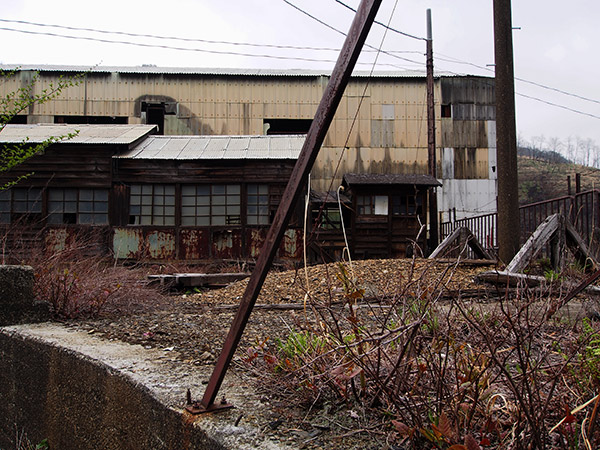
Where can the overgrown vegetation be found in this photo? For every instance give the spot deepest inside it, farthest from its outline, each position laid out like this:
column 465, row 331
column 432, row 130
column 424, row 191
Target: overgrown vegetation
column 77, row 278
column 417, row 370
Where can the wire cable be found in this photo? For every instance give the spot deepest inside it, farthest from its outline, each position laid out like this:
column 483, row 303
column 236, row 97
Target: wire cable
column 387, row 27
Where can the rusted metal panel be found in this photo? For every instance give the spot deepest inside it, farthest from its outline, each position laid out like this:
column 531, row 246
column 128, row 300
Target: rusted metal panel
column 78, row 240
column 127, row 243
column 56, row 240
column 140, row 243
column 226, row 244
column 194, row 243
column 291, row 244
column 254, row 241
column 160, row 244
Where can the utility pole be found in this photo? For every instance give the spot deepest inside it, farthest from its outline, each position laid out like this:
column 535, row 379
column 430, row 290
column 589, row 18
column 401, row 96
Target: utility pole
column 431, row 160
column 506, row 134
column 332, row 96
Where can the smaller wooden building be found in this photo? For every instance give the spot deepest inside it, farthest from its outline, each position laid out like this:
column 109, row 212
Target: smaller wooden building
column 142, row 196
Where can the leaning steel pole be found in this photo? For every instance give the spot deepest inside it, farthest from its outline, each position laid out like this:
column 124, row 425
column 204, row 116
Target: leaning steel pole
column 506, row 134
column 349, row 54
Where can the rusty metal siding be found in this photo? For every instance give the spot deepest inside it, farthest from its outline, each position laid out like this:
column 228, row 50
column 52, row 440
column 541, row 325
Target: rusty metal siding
column 226, row 244
column 144, row 243
column 194, row 243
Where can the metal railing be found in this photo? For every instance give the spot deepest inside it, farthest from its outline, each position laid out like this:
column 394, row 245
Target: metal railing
column 582, row 209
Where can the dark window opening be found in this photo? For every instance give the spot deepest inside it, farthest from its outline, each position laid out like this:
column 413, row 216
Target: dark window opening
column 447, row 110
column 287, row 126
column 18, row 120
column 156, row 112
column 92, row 120
column 407, row 205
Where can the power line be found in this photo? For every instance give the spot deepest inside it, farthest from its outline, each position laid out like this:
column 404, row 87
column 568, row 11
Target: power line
column 169, row 47
column 344, row 34
column 533, row 83
column 387, row 27
column 171, row 38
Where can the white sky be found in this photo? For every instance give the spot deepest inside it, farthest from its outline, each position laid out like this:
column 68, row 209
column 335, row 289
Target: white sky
column 556, row 45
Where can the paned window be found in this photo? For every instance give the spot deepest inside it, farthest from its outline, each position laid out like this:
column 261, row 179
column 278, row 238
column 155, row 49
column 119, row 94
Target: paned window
column 369, row 205
column 82, row 206
column 21, row 201
column 204, row 205
column 258, row 204
column 407, row 205
column 152, row 204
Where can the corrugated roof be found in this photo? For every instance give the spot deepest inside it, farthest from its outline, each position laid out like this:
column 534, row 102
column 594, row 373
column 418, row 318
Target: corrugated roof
column 219, row 71
column 86, row 134
column 217, row 147
column 389, row 179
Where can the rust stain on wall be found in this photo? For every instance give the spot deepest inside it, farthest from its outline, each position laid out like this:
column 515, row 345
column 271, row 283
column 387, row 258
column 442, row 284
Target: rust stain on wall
column 227, row 244
column 194, row 244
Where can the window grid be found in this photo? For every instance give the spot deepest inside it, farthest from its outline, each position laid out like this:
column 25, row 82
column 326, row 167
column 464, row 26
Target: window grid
column 82, row 206
column 364, row 204
column 257, row 210
column 20, row 201
column 204, row 205
column 152, row 204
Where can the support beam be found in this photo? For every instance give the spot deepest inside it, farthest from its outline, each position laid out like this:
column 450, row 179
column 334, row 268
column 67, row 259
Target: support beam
column 351, row 49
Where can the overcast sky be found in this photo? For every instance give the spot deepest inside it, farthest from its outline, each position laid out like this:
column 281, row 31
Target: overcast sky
column 556, row 45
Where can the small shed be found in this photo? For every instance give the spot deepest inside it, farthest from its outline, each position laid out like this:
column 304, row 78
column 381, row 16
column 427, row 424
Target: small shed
column 389, row 212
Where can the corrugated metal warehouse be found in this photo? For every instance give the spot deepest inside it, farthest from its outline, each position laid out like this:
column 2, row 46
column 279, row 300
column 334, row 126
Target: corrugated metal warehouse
column 386, row 136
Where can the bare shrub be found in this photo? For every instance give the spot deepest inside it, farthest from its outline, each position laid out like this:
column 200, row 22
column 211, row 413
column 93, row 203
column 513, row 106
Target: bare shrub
column 441, row 371
column 79, row 280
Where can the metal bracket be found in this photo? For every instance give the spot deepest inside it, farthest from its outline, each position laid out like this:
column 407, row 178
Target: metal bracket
column 196, row 407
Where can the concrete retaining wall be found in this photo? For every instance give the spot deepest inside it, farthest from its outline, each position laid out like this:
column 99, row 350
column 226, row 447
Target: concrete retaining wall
column 81, row 392
column 17, row 304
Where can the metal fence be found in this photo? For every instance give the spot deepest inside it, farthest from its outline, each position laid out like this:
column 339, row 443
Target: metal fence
column 582, row 209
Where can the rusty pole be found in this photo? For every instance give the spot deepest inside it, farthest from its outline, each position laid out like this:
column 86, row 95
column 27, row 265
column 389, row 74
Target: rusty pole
column 432, row 163
column 346, row 61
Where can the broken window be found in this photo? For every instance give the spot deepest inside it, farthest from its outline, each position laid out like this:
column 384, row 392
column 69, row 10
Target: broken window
column 21, row 201
column 152, row 204
column 258, row 204
column 82, row 206
column 204, row 205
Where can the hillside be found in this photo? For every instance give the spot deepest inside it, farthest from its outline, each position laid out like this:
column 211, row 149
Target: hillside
column 540, row 179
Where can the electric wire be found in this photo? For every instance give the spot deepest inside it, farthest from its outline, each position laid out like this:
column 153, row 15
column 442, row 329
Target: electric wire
column 439, row 56
column 392, row 54
column 387, row 27
column 379, row 51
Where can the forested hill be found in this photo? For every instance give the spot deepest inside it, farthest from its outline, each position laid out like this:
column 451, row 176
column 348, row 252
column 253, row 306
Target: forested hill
column 543, row 175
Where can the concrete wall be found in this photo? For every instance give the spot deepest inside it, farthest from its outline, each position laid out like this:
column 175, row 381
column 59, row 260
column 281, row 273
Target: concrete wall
column 81, row 392
column 17, row 304
column 50, row 392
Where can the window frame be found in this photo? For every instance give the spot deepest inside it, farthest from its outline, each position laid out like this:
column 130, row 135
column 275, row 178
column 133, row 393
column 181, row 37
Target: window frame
column 152, row 204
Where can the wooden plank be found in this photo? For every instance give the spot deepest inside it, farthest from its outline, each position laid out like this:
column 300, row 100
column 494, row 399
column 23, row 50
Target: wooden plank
column 540, row 237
